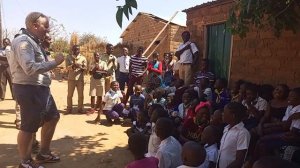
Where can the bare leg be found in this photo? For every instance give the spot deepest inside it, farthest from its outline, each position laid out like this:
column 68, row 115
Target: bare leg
column 47, row 134
column 99, row 103
column 93, row 102
column 24, row 145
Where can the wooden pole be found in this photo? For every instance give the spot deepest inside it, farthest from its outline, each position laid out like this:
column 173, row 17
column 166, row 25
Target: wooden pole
column 1, row 24
column 150, row 45
column 157, row 45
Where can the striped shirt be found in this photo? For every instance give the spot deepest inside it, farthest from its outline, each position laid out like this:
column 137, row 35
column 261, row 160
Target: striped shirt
column 138, row 65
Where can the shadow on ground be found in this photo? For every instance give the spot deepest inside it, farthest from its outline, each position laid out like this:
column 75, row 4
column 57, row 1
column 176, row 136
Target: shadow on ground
column 76, row 152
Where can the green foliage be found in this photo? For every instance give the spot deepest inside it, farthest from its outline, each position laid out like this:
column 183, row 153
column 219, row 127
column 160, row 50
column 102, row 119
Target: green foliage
column 126, row 10
column 279, row 15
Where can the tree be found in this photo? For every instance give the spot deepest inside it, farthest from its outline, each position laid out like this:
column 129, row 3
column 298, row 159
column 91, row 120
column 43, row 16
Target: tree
column 278, row 15
column 60, row 45
column 125, row 10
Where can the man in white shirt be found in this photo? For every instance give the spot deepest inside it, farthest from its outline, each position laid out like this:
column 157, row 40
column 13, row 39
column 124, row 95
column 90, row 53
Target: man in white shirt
column 188, row 55
column 123, row 64
column 169, row 151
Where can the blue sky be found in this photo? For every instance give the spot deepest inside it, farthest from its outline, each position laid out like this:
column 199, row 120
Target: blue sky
column 90, row 16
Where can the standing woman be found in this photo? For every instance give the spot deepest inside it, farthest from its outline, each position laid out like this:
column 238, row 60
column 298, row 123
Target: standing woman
column 155, row 70
column 98, row 71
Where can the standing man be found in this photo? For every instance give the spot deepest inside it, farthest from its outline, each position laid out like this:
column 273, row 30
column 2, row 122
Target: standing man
column 111, row 62
column 188, row 55
column 123, row 64
column 31, row 81
column 76, row 65
column 5, row 75
column 137, row 68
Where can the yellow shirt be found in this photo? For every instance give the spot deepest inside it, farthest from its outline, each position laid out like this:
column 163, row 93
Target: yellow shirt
column 111, row 65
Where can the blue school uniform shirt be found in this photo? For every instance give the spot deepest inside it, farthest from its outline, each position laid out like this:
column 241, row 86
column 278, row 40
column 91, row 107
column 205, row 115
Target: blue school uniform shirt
column 220, row 99
column 136, row 100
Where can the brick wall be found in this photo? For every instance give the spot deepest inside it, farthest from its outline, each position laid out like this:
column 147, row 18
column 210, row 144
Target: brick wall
column 144, row 30
column 259, row 57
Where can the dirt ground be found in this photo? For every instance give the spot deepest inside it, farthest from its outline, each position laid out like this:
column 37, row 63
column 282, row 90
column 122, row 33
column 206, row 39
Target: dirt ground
column 78, row 142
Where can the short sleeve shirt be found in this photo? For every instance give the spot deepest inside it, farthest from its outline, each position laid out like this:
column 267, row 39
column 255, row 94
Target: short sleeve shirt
column 233, row 139
column 187, row 55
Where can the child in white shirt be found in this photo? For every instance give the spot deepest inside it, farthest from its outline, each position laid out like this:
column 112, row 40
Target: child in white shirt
column 209, row 139
column 236, row 138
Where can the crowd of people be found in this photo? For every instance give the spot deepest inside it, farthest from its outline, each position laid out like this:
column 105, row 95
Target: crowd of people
column 179, row 118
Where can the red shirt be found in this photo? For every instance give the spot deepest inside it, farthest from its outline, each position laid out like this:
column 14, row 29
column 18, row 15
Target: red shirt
column 152, row 69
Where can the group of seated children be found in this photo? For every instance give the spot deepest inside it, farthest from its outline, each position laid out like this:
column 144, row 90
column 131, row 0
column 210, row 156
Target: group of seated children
column 205, row 125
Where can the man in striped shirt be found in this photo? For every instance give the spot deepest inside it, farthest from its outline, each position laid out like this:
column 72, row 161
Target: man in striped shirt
column 137, row 69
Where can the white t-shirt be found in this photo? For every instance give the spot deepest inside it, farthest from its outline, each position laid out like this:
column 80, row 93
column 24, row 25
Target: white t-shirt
column 184, row 166
column 169, row 153
column 153, row 143
column 187, row 56
column 260, row 104
column 289, row 111
column 123, row 62
column 211, row 155
column 233, row 139
column 112, row 98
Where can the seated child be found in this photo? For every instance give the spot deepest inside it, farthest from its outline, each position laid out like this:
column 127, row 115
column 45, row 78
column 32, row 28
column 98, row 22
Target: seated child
column 235, row 91
column 273, row 162
column 256, row 106
column 193, row 125
column 136, row 102
column 182, row 108
column 158, row 97
column 203, row 89
column 155, row 112
column 221, row 96
column 141, row 125
column 138, row 146
column 113, row 108
column 285, row 137
column 180, row 89
column 216, row 120
column 236, row 138
column 169, row 151
column 209, row 138
column 193, row 155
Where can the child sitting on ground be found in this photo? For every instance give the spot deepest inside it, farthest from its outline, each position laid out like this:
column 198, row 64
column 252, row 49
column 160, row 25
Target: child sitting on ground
column 136, row 102
column 141, row 125
column 138, row 146
column 216, row 120
column 221, row 95
column 155, row 112
column 256, row 106
column 194, row 125
column 289, row 134
column 113, row 108
column 169, row 151
column 235, row 91
column 209, row 139
column 193, row 155
column 158, row 97
column 236, row 138
column 203, row 89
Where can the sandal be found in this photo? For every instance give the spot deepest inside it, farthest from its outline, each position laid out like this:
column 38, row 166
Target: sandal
column 48, row 158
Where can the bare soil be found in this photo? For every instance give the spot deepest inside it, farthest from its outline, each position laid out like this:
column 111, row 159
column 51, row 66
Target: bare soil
column 77, row 141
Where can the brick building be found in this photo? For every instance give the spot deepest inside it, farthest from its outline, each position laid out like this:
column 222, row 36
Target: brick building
column 260, row 57
column 144, row 28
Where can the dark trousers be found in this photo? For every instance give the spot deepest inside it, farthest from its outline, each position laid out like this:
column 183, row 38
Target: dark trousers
column 5, row 77
column 133, row 80
column 122, row 79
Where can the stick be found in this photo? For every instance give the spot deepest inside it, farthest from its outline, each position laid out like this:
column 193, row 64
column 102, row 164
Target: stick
column 160, row 33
